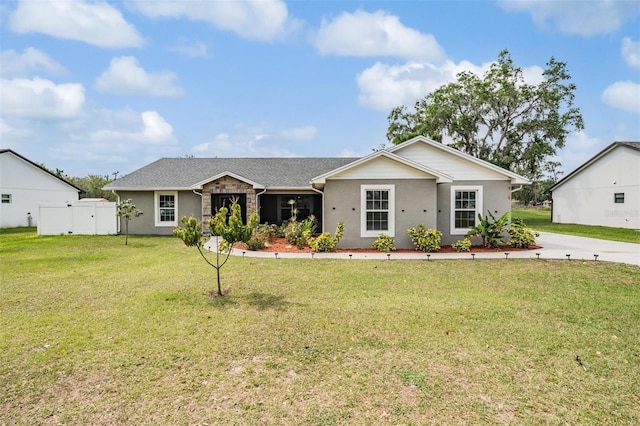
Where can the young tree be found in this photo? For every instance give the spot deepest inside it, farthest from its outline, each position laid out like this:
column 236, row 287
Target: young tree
column 127, row 211
column 498, row 117
column 228, row 228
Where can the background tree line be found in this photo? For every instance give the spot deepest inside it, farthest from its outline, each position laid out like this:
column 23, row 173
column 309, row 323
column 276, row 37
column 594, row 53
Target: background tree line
column 91, row 184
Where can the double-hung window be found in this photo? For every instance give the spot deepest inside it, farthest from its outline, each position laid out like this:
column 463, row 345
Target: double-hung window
column 618, row 197
column 466, row 204
column 166, row 208
column 377, row 206
column 6, row 198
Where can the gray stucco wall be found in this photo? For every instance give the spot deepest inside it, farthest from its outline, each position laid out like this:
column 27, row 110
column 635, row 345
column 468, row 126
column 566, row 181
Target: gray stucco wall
column 415, row 203
column 189, row 204
column 496, row 197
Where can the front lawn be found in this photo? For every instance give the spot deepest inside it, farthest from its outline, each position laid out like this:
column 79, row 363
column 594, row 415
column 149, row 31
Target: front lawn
column 540, row 220
column 96, row 332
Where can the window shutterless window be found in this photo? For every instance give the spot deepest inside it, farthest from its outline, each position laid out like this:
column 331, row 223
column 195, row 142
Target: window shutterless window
column 618, row 197
column 466, row 204
column 377, row 206
column 6, row 198
column 166, row 208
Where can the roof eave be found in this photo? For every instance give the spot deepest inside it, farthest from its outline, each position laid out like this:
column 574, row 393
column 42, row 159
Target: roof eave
column 200, row 184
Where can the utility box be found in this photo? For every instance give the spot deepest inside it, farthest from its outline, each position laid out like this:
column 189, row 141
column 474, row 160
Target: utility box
column 85, row 217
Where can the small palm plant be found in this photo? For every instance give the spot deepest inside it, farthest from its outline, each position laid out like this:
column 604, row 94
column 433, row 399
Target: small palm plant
column 490, row 229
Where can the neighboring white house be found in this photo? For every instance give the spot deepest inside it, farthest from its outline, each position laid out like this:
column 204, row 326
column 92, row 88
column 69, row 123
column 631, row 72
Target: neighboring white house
column 603, row 191
column 24, row 184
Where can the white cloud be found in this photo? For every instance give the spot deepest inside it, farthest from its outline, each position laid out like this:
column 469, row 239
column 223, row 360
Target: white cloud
column 623, row 95
column 40, row 98
column 300, row 133
column 578, row 148
column 30, row 61
column 586, row 18
column 263, row 20
column 126, row 127
column 124, row 139
column 375, row 34
column 385, row 86
column 155, row 129
column 98, row 24
column 631, row 52
column 125, row 77
column 190, row 49
column 245, row 143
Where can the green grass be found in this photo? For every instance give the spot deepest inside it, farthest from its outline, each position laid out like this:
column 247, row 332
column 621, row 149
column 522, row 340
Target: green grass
column 540, row 220
column 96, row 332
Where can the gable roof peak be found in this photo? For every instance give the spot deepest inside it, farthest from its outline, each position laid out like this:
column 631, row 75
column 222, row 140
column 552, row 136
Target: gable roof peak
column 515, row 178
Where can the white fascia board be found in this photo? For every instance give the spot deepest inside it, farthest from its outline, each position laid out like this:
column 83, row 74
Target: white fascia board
column 516, row 179
column 231, row 174
column 289, row 188
column 440, row 177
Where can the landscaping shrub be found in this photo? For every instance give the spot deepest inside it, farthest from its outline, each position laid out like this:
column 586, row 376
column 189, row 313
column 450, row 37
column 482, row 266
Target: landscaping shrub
column 299, row 233
column 267, row 231
column 424, row 239
column 521, row 236
column 384, row 243
column 257, row 242
column 325, row 242
column 490, row 229
column 462, row 245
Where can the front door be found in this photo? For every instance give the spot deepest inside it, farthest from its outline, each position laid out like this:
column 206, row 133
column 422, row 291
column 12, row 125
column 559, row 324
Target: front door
column 225, row 200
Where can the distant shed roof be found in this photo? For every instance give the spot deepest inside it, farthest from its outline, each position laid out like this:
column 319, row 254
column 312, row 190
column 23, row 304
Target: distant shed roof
column 183, row 173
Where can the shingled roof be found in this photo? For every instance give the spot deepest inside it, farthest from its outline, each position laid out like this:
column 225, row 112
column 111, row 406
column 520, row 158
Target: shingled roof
column 183, row 173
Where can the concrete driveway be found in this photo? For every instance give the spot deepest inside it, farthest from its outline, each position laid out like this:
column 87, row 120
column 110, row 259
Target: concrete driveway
column 557, row 246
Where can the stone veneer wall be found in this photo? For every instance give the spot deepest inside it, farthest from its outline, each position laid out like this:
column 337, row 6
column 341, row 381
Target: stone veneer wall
column 227, row 185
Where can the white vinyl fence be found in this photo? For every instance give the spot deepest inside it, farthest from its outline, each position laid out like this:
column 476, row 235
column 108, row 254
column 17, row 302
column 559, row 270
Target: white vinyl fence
column 84, row 218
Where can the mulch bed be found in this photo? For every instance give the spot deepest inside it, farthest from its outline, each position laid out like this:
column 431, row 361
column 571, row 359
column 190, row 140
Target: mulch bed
column 280, row 245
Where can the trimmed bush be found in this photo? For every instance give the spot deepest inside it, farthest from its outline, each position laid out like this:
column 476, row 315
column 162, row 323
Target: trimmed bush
column 463, row 245
column 424, row 239
column 521, row 236
column 325, row 242
column 384, row 243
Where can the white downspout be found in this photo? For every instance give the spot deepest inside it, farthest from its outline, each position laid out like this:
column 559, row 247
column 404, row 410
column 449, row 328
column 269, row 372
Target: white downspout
column 258, row 194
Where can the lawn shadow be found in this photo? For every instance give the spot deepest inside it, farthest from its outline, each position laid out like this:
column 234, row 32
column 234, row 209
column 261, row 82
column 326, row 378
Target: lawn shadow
column 262, row 301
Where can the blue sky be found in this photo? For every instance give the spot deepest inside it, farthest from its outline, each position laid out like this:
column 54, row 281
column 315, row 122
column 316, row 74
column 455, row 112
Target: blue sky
column 104, row 87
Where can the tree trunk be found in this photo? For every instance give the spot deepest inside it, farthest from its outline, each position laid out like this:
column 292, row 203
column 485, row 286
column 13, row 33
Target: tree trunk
column 218, row 265
column 126, row 232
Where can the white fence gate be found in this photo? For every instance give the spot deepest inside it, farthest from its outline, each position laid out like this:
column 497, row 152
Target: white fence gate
column 84, row 218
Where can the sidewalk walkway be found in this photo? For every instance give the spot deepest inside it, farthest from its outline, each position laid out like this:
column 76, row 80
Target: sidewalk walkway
column 554, row 246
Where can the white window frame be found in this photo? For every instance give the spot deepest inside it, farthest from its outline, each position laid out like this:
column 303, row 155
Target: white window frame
column 391, row 189
column 156, row 204
column 6, row 198
column 478, row 208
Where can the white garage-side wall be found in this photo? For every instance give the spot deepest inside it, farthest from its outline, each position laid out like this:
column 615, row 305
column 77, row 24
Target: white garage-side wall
column 23, row 185
column 589, row 197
